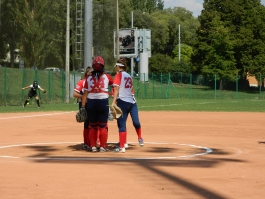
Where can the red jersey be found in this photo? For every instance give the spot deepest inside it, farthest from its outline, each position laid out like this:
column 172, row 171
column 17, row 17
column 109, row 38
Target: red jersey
column 80, row 87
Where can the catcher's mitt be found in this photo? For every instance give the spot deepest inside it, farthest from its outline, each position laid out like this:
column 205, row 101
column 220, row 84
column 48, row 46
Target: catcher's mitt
column 44, row 91
column 81, row 115
column 116, row 111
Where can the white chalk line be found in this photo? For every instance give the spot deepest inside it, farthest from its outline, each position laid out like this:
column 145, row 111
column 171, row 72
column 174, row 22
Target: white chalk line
column 207, row 151
column 39, row 115
column 180, row 104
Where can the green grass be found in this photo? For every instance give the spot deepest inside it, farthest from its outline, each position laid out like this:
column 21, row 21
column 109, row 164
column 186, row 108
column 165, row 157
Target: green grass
column 10, row 88
column 157, row 87
column 159, row 105
column 202, row 105
column 155, row 90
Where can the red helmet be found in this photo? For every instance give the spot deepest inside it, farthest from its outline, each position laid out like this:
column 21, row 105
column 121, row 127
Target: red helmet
column 98, row 63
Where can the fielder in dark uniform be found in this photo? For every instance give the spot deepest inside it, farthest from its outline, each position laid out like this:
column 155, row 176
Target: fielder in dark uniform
column 33, row 93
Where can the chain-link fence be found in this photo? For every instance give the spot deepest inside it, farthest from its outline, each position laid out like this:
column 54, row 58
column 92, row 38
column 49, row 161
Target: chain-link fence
column 189, row 86
column 13, row 80
column 151, row 86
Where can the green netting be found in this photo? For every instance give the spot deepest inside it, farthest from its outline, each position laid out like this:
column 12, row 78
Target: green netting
column 151, row 86
column 13, row 80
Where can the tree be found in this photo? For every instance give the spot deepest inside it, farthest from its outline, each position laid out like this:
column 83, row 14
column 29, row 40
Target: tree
column 184, row 64
column 231, row 38
column 185, row 53
column 26, row 13
column 104, row 23
column 9, row 31
column 214, row 51
column 147, row 6
column 160, row 63
column 37, row 28
column 160, row 4
column 169, row 20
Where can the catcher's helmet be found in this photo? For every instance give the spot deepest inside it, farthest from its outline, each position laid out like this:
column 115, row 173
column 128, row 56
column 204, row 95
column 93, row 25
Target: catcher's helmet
column 98, row 63
column 35, row 85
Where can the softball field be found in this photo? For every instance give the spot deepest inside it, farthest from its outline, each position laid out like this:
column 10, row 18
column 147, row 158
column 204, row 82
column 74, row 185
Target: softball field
column 187, row 155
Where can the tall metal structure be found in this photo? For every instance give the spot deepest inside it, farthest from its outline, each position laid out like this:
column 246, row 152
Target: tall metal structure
column 79, row 30
column 67, row 53
column 88, row 33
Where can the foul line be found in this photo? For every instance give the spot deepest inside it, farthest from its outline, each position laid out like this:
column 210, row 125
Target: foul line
column 180, row 104
column 207, row 151
column 30, row 116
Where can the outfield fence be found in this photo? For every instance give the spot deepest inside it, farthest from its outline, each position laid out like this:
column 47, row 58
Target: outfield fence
column 146, row 86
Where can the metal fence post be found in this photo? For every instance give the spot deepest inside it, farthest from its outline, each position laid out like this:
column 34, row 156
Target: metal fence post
column 63, row 85
column 137, row 94
column 214, row 86
column 168, row 86
column 49, row 85
column 5, row 86
column 161, row 84
column 144, row 86
column 260, row 84
column 153, row 86
column 236, row 86
column 190, row 86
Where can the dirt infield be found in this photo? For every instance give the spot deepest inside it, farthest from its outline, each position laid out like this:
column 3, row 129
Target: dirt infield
column 186, row 155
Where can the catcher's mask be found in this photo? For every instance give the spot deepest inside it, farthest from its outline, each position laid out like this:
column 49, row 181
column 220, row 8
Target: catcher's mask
column 35, row 85
column 98, row 64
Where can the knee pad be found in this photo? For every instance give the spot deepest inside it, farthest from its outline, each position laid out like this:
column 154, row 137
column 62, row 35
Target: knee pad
column 103, row 125
column 93, row 125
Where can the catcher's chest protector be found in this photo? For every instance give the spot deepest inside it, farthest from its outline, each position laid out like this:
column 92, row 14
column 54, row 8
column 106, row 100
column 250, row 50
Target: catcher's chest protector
column 98, row 85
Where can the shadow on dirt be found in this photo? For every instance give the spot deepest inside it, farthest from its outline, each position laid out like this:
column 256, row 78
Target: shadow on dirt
column 206, row 161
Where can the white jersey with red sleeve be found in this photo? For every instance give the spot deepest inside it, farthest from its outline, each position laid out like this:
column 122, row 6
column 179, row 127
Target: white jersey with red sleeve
column 97, row 87
column 124, row 81
column 80, row 87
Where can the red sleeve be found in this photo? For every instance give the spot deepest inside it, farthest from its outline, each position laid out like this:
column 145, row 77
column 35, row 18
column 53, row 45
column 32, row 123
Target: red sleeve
column 79, row 86
column 86, row 85
column 117, row 79
column 110, row 79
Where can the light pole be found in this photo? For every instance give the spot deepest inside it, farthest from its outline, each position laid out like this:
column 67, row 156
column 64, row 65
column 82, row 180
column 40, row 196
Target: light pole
column 179, row 42
column 132, row 62
column 117, row 32
column 0, row 15
column 88, row 36
column 67, row 53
